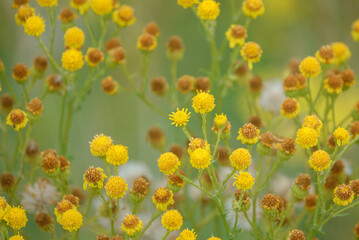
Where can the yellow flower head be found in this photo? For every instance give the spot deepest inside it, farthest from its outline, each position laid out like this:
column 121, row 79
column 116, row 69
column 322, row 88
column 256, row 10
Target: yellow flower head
column 341, row 52
column 172, row 220
column 109, row 86
column 355, row 30
column 220, row 120
column 146, row 42
column 319, row 161
column 162, row 198
column 313, row 121
column 93, row 57
column 19, row 3
column 200, row 158
column 290, row 108
column 23, row 13
column 4, row 207
column 307, row 137
column 203, row 102
column 334, row 84
column 16, row 218
column 16, row 237
column 240, row 159
column 187, row 235
column 116, row 187
column 72, row 60
column 71, row 220
column 74, row 38
column 214, row 238
column 343, row 195
column 208, row 10
column 341, row 136
column 47, row 3
column 253, row 8
column 80, row 5
column 196, row 143
column 100, row 144
column 117, row 155
column 244, row 181
column 180, row 117
column 131, row 224
column 61, row 207
column 17, row 119
column 325, row 54
column 187, row 3
column 102, row 7
column 94, row 178
column 310, row 67
column 236, row 35
column 168, row 163
column 124, row 16
column 252, row 53
column 34, row 26
column 248, row 134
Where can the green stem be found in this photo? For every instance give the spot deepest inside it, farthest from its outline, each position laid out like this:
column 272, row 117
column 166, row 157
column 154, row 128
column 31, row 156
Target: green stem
column 8, row 85
column 204, row 129
column 173, row 84
column 89, row 27
column 110, row 213
column 166, row 235
column 153, row 218
column 53, row 63
column 184, row 128
column 145, row 64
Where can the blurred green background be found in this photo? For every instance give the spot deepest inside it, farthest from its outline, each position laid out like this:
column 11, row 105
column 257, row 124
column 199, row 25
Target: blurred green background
column 289, row 28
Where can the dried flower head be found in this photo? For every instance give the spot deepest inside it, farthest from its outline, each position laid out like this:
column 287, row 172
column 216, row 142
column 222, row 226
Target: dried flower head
column 162, row 198
column 348, row 77
column 304, row 181
column 109, row 85
column 290, row 108
column 54, row 82
column 7, row 180
column 185, row 84
column 175, row 44
column 66, row 15
column 20, row 73
column 6, row 103
column 343, row 195
column 333, row 84
column 310, row 201
column 94, row 56
column 175, row 179
column 325, row 54
column 354, row 185
column 256, row 84
column 35, row 107
column 146, row 42
column 94, row 178
column 202, row 84
column 45, row 222
column 270, row 201
column 50, row 161
column 177, row 150
column 159, row 86
column 248, row 134
column 17, row 119
column 40, row 64
column 296, row 235
column 152, row 29
column 131, row 224
column 140, row 187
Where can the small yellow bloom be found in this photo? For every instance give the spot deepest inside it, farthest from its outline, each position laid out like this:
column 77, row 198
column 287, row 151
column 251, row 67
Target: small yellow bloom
column 93, row 57
column 180, row 117
column 290, row 108
column 200, row 158
column 94, row 178
column 320, row 161
column 168, row 163
column 100, row 144
column 117, row 155
column 220, row 120
column 248, row 134
column 23, row 13
column 131, row 225
column 252, row 53
column 146, row 42
column 240, row 159
column 34, row 26
column 214, row 238
column 162, row 198
column 203, row 102
column 61, row 207
column 187, row 235
column 4, row 207
column 109, row 85
column 72, row 60
column 313, row 121
column 236, row 35
column 16, row 237
column 17, row 119
column 253, row 8
column 355, row 30
column 196, row 143
column 124, row 16
column 47, row 3
column 102, row 7
column 325, row 54
column 343, row 195
column 172, row 220
column 342, row 136
column 74, row 38
column 116, row 187
column 72, row 220
column 307, row 137
column 334, row 84
column 208, row 10
column 310, row 67
column 81, row 6
column 244, row 181
column 187, row 3
column 16, row 218
column 341, row 52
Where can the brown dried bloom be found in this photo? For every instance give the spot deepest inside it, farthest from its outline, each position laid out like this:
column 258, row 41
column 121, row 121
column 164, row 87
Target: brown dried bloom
column 50, row 161
column 175, row 44
column 6, row 102
column 156, row 137
column 20, row 72
column 241, row 70
column 330, row 183
column 326, row 53
column 45, row 222
column 66, row 15
column 287, row 145
column 152, row 29
column 255, row 84
column 113, row 43
column 102, row 237
column 335, row 81
column 72, row 199
column 270, row 201
column 222, row 156
column 130, row 221
column 290, row 83
column 348, row 77
column 293, row 65
column 93, row 175
column 196, row 143
column 94, row 56
column 162, row 195
column 296, row 234
column 304, row 181
column 310, row 201
column 282, row 203
column 64, row 163
column 175, row 179
column 267, row 139
column 159, row 86
column 118, row 55
column 256, row 121
column 7, row 180
column 249, row 130
column 331, row 141
column 185, row 84
column 238, row 194
column 289, row 105
column 40, row 63
column 109, row 85
column 147, row 40
column 116, row 237
column 354, row 185
column 343, row 192
column 78, row 193
column 177, row 150
column 301, row 81
column 35, row 107
column 63, row 206
column 337, row 168
column 17, row 117
column 54, row 82
column 203, row 84
column 356, row 230
column 32, row 149
column 140, row 187
column 354, row 129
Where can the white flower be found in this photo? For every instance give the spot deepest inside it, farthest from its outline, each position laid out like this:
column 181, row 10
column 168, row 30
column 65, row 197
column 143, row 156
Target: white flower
column 272, row 96
column 40, row 196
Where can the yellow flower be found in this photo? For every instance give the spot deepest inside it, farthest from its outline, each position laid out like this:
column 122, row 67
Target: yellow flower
column 214, row 238
column 81, row 6
column 187, row 235
column 196, row 143
column 290, row 108
column 93, row 57
column 252, row 53
column 240, row 159
column 180, row 117
column 23, row 13
column 109, row 85
column 334, row 84
column 313, row 121
column 74, row 37
column 172, row 220
column 203, row 102
column 124, row 16
column 16, row 237
column 16, row 218
column 253, row 8
column 208, row 10
column 71, row 220
column 100, row 144
column 307, row 137
column 187, row 3
column 355, row 30
column 94, row 178
column 47, row 3
column 248, row 134
column 17, row 119
column 168, row 163
column 341, row 52
column 146, row 42
column 4, row 207
column 162, row 198
column 102, row 7
column 34, row 26
column 325, row 54
column 236, row 35
column 200, row 158
column 343, row 195
column 61, row 207
column 131, row 224
column 310, row 67
column 72, row 60
column 220, row 120
column 342, row 136
column 117, row 155
column 116, row 187
column 244, row 181
column 320, row 161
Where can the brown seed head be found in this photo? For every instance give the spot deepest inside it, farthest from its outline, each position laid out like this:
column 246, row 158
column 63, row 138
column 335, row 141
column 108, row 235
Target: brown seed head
column 21, row 2
column 147, row 40
column 256, row 121
column 66, row 15
column 301, row 81
column 348, row 77
column 17, row 117
column 354, row 128
column 287, row 145
column 95, row 56
column 289, row 105
column 64, row 163
column 249, row 130
column 326, row 52
column 175, row 179
column 93, row 175
column 222, row 155
column 242, row 70
column 356, row 230
column 330, row 183
column 354, row 185
column 293, row 65
column 175, row 44
column 44, row 221
column 79, row 2
column 159, row 85
column 238, row 31
column 130, row 221
column 310, row 201
column 108, row 85
column 267, row 139
column 113, row 43
column 64, row 205
column 78, row 193
column 185, row 84
column 177, row 150
column 35, row 107
column 40, row 63
column 155, row 135
column 270, row 201
column 32, row 149
column 54, row 82
column 344, row 192
column 20, row 72
column 7, row 180
column 196, row 143
column 296, row 235
column 152, row 29
column 118, row 54
column 203, row 84
column 337, row 168
column 162, row 195
column 50, row 161
column 304, row 181
column 72, row 199
column 256, row 84
column 116, row 237
column 282, row 203
column 238, row 195
column 331, row 141
column 6, row 102
column 335, row 81
column 102, row 237
column 140, row 186
column 290, row 83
